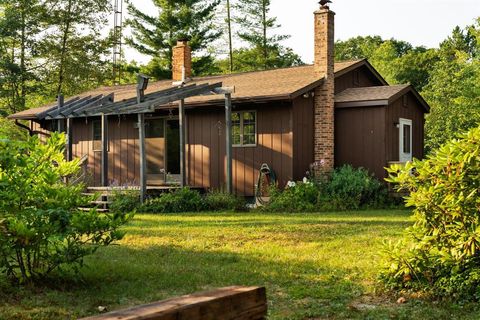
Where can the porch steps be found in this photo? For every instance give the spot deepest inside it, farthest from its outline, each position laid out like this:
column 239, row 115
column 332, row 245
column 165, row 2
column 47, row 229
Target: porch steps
column 102, row 198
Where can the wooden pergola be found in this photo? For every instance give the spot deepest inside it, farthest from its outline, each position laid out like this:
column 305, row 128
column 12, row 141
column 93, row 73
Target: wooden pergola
column 104, row 105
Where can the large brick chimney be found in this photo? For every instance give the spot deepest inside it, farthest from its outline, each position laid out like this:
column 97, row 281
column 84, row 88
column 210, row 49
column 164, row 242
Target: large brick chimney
column 324, row 102
column 181, row 60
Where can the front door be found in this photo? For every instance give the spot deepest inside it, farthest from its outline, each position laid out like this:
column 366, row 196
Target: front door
column 155, row 151
column 162, row 149
column 405, row 140
column 172, row 154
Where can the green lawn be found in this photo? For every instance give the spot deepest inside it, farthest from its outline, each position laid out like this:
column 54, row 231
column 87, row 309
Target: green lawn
column 315, row 266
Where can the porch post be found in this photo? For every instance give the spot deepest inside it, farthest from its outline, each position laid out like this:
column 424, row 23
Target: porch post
column 69, row 140
column 104, row 122
column 143, row 163
column 182, row 123
column 228, row 140
column 60, row 104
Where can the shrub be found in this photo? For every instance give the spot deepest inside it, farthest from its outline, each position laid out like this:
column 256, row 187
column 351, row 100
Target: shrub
column 345, row 189
column 440, row 253
column 298, row 197
column 351, row 189
column 125, row 201
column 218, row 201
column 41, row 229
column 181, row 200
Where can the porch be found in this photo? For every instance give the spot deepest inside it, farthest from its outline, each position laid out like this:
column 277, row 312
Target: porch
column 160, row 142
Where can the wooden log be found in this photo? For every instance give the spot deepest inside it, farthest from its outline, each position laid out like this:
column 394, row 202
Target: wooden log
column 231, row 303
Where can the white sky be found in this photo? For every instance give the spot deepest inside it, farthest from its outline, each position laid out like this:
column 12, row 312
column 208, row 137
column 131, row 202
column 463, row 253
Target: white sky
column 420, row 22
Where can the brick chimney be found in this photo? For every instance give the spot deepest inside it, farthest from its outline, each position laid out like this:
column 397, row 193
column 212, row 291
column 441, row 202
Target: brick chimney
column 182, row 60
column 324, row 102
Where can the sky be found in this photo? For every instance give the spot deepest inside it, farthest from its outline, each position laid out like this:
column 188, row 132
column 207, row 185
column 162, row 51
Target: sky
column 420, row 22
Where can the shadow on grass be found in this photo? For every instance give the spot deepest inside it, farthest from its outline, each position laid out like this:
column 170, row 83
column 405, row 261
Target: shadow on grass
column 120, row 277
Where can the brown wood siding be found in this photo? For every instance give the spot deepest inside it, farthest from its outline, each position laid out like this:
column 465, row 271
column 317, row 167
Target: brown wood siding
column 360, row 138
column 206, row 148
column 303, row 128
column 123, row 163
column 365, row 79
column 412, row 111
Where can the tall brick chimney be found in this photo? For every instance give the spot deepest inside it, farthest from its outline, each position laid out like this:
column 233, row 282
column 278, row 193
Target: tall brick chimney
column 324, row 102
column 182, row 60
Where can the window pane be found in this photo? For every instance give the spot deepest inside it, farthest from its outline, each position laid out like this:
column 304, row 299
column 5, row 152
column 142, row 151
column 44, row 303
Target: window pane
column 406, row 138
column 236, row 134
column 249, row 116
column 249, row 139
column 249, row 129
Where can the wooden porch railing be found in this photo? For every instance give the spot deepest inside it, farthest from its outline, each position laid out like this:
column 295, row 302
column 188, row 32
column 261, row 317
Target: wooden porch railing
column 83, row 173
column 231, row 303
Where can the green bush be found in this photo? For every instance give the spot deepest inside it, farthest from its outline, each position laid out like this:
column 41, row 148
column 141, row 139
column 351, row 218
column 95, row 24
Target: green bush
column 345, row 188
column 298, row 197
column 181, row 200
column 351, row 189
column 125, row 201
column 219, row 201
column 41, row 229
column 440, row 253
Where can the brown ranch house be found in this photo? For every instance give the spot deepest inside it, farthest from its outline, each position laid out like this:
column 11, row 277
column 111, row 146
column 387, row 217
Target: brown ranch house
column 333, row 113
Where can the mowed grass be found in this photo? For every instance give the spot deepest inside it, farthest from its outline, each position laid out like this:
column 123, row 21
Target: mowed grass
column 315, row 266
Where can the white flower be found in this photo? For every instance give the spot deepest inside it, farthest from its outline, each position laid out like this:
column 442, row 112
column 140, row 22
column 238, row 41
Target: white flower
column 305, row 180
column 291, row 184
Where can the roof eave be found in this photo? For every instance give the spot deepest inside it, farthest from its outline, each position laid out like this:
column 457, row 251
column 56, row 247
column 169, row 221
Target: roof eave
column 360, row 104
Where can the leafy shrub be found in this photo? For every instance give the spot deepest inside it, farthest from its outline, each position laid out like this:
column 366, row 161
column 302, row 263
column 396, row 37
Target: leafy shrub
column 125, row 201
column 298, row 197
column 440, row 253
column 41, row 229
column 218, row 201
column 351, row 189
column 345, row 188
column 181, row 200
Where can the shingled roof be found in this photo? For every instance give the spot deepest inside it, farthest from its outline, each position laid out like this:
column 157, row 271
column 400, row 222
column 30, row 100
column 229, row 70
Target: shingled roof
column 375, row 96
column 278, row 84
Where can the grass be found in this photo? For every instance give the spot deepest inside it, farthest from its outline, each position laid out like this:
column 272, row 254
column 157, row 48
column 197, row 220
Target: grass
column 315, row 266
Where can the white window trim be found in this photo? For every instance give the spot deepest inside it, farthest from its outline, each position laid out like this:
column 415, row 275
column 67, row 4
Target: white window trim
column 401, row 154
column 241, row 145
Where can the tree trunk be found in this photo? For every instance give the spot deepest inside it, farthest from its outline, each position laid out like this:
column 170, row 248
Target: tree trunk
column 66, row 31
column 264, row 22
column 230, row 44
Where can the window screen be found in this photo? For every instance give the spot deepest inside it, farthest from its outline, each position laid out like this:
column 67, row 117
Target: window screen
column 97, row 135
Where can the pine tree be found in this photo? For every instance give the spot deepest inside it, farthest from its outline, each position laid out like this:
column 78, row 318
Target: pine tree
column 156, row 35
column 77, row 53
column 20, row 22
column 257, row 30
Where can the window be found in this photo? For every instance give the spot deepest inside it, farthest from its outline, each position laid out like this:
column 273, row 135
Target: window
column 97, row 135
column 244, row 128
column 407, row 140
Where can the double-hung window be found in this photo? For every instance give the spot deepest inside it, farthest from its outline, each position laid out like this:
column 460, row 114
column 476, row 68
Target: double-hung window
column 244, row 128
